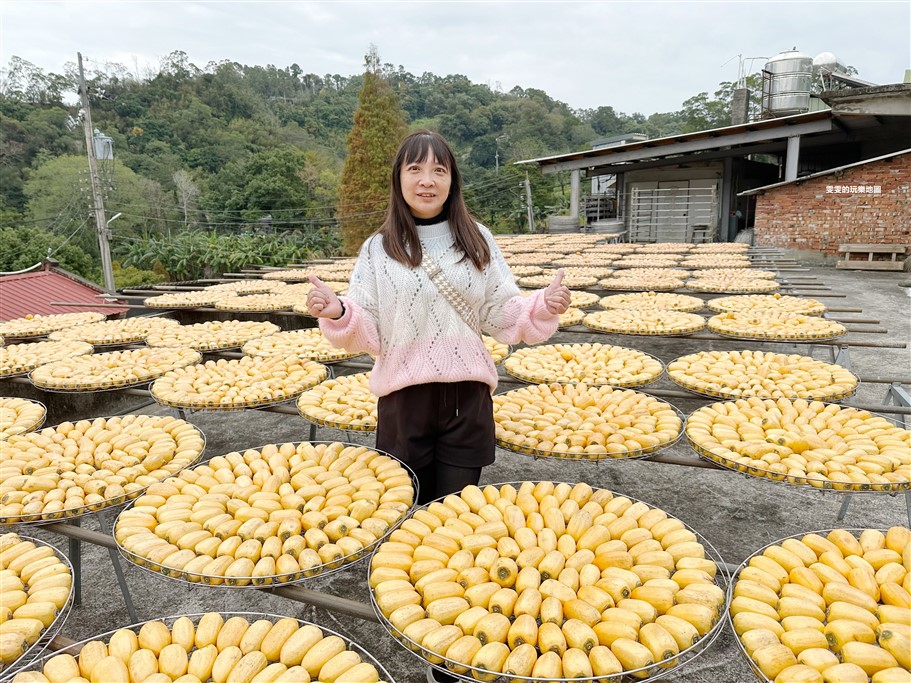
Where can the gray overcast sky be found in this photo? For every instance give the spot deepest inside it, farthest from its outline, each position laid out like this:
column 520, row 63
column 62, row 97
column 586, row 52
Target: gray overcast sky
column 633, row 56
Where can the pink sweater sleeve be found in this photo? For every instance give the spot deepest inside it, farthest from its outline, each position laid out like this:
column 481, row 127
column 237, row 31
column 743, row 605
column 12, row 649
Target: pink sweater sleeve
column 508, row 316
column 355, row 331
column 526, row 319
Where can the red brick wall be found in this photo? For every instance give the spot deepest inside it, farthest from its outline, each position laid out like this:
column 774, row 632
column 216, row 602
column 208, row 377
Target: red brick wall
column 806, row 216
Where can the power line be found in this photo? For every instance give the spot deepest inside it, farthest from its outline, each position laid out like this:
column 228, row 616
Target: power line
column 332, row 223
column 71, row 235
column 472, row 187
column 38, row 220
column 59, row 219
column 306, row 221
column 233, row 224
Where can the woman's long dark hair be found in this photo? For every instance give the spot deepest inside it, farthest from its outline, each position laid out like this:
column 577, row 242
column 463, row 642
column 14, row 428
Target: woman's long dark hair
column 400, row 236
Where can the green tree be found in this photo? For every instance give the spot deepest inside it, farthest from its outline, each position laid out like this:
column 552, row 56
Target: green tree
column 379, row 125
column 133, row 277
column 703, row 113
column 25, row 246
column 59, row 189
column 269, row 182
column 605, row 121
column 27, row 131
column 24, row 81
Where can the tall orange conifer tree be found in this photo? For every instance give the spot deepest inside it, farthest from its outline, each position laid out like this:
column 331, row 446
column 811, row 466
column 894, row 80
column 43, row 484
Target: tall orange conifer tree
column 379, row 126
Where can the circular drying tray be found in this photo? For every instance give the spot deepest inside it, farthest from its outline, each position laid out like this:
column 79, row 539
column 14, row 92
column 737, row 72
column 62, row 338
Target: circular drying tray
column 197, row 579
column 640, row 454
column 530, row 379
column 656, row 671
column 36, row 649
column 108, row 504
column 754, row 667
column 74, row 649
column 824, row 486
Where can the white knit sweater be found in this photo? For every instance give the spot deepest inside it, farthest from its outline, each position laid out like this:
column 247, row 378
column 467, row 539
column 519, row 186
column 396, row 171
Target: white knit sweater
column 397, row 314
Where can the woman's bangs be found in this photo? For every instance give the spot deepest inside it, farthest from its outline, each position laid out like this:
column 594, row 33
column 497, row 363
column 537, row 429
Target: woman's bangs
column 421, row 148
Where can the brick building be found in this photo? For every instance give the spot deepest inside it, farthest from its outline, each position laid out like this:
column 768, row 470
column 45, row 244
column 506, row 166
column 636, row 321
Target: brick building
column 865, row 202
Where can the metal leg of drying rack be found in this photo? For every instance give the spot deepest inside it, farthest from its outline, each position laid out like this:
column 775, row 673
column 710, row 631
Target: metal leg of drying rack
column 897, row 395
column 842, row 356
column 312, row 431
column 842, row 511
column 118, row 571
column 75, row 554
column 847, row 501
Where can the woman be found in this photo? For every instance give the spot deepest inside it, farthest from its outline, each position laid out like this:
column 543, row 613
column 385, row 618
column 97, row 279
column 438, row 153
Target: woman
column 433, row 375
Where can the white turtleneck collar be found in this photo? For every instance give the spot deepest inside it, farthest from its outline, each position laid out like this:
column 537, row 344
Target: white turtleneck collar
column 437, row 230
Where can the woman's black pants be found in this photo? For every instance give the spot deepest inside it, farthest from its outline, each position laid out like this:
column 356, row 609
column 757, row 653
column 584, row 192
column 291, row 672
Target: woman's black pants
column 444, row 431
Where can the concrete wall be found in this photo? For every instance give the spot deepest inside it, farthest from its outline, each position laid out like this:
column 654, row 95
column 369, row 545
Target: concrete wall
column 807, row 216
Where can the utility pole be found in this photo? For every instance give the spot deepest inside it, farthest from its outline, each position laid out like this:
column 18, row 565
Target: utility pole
column 531, row 211
column 101, row 227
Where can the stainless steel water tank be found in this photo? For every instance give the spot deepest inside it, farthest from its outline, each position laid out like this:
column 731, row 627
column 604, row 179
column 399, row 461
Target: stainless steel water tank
column 791, row 77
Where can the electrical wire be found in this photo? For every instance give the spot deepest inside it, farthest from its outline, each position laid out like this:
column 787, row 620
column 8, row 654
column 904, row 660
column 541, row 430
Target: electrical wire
column 67, row 210
column 313, row 222
column 72, row 234
column 38, row 220
column 231, row 224
column 473, row 187
column 491, row 189
column 331, row 222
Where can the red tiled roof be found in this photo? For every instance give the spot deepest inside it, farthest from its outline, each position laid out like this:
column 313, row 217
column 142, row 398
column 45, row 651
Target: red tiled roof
column 32, row 293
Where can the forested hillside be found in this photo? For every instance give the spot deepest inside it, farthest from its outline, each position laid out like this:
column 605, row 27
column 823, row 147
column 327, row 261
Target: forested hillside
column 215, row 150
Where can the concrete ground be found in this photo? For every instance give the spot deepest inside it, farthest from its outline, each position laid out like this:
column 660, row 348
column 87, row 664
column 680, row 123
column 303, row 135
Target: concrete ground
column 735, row 513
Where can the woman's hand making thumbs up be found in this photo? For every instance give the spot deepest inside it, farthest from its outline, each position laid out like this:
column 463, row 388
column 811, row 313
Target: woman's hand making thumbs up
column 556, row 295
column 322, row 302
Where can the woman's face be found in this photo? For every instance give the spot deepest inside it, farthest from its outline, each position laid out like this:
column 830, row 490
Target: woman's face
column 425, row 186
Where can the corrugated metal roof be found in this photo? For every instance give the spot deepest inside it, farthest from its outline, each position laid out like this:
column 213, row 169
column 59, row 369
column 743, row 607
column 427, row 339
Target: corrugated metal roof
column 670, row 141
column 818, row 174
column 32, row 293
